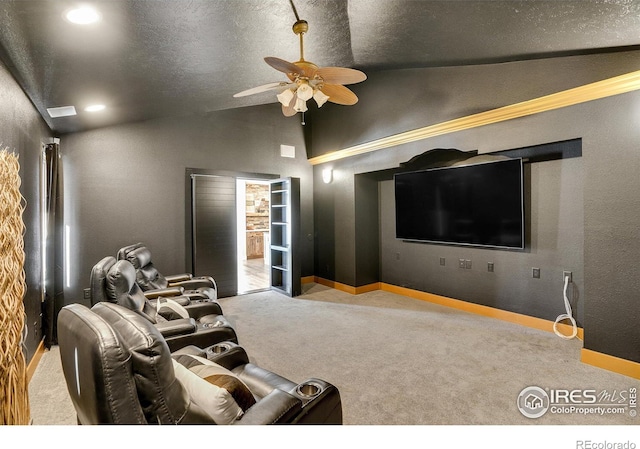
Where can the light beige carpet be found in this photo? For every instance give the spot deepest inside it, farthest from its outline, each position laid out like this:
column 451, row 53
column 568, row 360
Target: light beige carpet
column 394, row 359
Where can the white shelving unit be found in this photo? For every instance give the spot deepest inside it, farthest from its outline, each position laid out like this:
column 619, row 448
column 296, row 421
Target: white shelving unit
column 284, row 234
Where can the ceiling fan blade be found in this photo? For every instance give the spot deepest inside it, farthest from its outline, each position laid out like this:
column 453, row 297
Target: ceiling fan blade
column 259, row 89
column 340, row 75
column 283, row 66
column 339, row 94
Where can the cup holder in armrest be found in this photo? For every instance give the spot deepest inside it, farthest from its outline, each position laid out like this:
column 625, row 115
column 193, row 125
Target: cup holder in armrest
column 217, row 349
column 217, row 323
column 227, row 353
column 309, row 389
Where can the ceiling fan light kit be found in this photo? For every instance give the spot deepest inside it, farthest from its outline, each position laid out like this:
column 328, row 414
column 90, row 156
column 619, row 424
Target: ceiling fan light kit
column 307, row 80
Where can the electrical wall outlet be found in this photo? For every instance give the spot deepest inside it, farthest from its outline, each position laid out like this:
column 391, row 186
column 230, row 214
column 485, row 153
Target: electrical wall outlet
column 535, row 272
column 87, row 293
column 490, row 267
column 442, row 261
column 566, row 274
column 467, row 264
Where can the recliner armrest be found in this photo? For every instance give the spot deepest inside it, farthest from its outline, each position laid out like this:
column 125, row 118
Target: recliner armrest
column 193, row 284
column 200, row 309
column 321, row 402
column 227, row 354
column 182, row 300
column 190, row 350
column 167, row 292
column 177, row 327
column 178, row 277
column 278, row 407
column 196, row 296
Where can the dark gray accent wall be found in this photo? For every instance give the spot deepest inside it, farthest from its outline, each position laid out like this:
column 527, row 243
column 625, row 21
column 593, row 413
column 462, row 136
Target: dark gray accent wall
column 125, row 184
column 395, row 101
column 611, row 231
column 335, row 230
column 23, row 131
column 582, row 212
column 368, row 230
column 511, row 285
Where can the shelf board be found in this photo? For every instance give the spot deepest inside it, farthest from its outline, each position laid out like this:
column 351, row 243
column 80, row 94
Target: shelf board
column 279, row 268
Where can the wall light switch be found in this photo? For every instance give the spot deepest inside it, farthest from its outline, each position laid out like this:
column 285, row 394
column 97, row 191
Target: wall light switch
column 442, row 261
column 467, row 264
column 461, row 263
column 535, row 272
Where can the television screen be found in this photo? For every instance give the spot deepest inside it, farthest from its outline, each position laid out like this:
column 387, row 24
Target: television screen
column 479, row 205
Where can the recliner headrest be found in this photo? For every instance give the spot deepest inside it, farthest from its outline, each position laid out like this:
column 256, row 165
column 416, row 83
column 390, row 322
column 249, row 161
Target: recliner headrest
column 122, row 289
column 121, row 279
column 98, row 277
column 139, row 257
column 122, row 252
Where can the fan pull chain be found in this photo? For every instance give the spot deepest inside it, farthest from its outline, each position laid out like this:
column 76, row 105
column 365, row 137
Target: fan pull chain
column 303, row 123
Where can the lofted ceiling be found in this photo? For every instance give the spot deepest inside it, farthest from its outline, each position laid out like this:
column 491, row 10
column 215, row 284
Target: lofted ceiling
column 159, row 58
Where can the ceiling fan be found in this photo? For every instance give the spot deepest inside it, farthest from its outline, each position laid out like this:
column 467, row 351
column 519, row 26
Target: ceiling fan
column 306, row 80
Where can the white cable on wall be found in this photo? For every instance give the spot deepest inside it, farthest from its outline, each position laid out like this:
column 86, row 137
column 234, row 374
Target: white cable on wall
column 567, row 316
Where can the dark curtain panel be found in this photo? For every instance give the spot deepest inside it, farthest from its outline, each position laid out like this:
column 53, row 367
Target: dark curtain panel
column 54, row 249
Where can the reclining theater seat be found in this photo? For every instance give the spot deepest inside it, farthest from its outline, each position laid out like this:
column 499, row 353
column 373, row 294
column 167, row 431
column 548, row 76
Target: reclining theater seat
column 122, row 252
column 98, row 291
column 149, row 278
column 194, row 324
column 152, row 292
column 118, row 370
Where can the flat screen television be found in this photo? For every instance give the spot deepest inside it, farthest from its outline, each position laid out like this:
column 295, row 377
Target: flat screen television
column 477, row 205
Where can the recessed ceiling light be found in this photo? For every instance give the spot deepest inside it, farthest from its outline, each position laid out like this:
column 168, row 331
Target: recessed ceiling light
column 63, row 111
column 84, row 15
column 95, row 108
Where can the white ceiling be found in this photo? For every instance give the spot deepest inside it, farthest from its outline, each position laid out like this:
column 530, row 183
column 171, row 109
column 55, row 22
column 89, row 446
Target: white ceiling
column 152, row 58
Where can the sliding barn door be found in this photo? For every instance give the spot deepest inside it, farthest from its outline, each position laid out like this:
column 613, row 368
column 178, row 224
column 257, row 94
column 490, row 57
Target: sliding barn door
column 214, row 231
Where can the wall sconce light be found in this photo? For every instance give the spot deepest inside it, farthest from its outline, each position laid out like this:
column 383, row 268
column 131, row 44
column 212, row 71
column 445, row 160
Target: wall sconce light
column 327, row 175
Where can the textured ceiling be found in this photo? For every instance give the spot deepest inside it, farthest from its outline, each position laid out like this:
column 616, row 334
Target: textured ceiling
column 157, row 58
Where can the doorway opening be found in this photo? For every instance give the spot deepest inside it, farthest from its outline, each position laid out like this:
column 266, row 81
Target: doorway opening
column 253, row 254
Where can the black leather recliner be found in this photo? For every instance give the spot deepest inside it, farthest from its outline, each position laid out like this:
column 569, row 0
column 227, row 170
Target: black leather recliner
column 119, row 370
column 122, row 252
column 99, row 294
column 150, row 279
column 200, row 324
